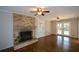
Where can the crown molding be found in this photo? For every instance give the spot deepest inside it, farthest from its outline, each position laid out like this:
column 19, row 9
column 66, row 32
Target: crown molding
column 2, row 10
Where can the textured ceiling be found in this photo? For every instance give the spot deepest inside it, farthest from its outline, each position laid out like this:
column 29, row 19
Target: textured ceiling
column 61, row 11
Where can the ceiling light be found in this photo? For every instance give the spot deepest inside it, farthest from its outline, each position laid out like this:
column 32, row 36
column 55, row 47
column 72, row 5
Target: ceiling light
column 40, row 11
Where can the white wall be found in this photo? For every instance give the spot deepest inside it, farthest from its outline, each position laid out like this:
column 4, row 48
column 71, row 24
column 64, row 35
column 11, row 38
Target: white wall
column 48, row 27
column 78, row 27
column 42, row 27
column 73, row 26
column 53, row 27
column 6, row 30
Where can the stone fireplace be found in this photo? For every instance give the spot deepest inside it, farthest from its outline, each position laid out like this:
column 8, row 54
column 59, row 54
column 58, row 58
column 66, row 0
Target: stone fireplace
column 23, row 28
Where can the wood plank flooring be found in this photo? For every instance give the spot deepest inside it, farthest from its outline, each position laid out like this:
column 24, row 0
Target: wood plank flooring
column 53, row 43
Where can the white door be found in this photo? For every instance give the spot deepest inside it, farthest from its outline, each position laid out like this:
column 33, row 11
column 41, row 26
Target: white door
column 63, row 28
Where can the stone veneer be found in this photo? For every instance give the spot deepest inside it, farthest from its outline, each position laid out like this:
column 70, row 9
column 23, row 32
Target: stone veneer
column 23, row 23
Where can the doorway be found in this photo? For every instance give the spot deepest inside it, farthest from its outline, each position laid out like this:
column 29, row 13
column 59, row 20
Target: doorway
column 63, row 28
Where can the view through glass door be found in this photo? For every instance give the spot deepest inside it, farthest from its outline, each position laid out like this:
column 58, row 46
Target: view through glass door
column 63, row 28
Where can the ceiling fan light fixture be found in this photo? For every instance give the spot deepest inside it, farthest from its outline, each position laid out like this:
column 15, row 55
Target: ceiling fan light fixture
column 39, row 13
column 58, row 18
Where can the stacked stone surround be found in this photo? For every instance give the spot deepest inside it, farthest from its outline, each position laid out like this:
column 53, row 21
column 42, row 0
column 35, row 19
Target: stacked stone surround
column 23, row 23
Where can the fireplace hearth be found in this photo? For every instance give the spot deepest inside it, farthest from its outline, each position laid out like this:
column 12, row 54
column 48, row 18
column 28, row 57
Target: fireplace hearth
column 25, row 35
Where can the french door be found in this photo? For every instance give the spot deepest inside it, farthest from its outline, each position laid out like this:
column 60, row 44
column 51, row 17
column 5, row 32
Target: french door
column 63, row 28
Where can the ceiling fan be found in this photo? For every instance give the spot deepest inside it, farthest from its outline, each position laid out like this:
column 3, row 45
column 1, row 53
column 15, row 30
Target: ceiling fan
column 40, row 11
column 58, row 18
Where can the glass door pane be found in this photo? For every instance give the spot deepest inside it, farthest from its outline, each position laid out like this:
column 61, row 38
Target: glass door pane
column 59, row 28
column 66, row 28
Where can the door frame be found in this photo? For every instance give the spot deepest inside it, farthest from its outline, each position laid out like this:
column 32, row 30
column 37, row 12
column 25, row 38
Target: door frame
column 62, row 28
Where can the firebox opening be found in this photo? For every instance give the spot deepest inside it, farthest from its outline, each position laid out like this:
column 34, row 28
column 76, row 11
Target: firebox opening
column 25, row 35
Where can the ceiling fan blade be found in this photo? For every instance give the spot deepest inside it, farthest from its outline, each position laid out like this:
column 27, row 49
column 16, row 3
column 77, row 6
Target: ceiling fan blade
column 58, row 17
column 46, row 11
column 39, row 11
column 33, row 11
column 35, row 14
column 42, row 14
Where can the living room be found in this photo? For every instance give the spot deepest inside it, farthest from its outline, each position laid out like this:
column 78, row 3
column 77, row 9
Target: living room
column 23, row 28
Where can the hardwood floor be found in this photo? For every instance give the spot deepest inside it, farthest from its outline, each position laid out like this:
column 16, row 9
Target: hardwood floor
column 53, row 43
